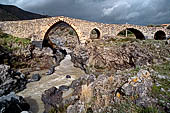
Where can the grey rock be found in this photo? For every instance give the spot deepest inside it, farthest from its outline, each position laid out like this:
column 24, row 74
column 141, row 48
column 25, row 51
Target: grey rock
column 12, row 103
column 163, row 90
column 78, row 107
column 11, row 80
column 25, row 112
column 167, row 42
column 68, row 76
column 35, row 77
column 51, row 70
column 140, row 87
column 59, row 55
column 80, row 58
column 86, row 79
column 168, row 90
column 64, row 88
column 52, row 98
column 162, row 77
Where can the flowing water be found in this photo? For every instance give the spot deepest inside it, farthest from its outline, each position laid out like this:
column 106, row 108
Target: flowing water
column 34, row 90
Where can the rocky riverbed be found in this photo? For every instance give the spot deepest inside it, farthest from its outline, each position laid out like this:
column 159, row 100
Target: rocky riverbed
column 122, row 75
column 34, row 90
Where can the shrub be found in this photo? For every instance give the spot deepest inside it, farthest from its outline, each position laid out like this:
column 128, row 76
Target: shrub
column 52, row 110
column 150, row 25
column 71, row 32
column 149, row 110
column 1, row 31
column 158, row 26
column 86, row 94
column 12, row 43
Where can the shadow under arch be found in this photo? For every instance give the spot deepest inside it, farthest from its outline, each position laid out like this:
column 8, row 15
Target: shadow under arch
column 160, row 35
column 95, row 33
column 47, row 42
column 138, row 34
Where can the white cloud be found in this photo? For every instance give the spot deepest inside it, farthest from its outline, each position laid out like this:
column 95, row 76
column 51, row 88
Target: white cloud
column 120, row 5
column 108, row 11
column 132, row 15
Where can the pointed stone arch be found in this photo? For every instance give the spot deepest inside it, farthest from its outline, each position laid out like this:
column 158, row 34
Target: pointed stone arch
column 54, row 24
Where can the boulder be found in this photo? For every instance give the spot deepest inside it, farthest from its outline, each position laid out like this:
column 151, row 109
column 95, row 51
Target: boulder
column 11, row 80
column 64, row 88
column 78, row 107
column 167, row 41
column 68, row 76
column 52, row 98
column 80, row 57
column 51, row 70
column 59, row 55
column 4, row 54
column 35, row 77
column 139, row 85
column 12, row 103
column 56, row 99
column 95, row 59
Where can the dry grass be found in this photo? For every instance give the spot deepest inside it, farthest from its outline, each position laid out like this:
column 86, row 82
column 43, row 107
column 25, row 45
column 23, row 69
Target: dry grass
column 111, row 80
column 86, row 94
column 106, row 100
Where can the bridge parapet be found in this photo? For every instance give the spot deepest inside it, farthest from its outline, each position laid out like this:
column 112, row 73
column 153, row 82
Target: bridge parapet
column 37, row 29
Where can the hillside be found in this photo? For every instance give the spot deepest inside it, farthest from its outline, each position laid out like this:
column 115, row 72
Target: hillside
column 12, row 13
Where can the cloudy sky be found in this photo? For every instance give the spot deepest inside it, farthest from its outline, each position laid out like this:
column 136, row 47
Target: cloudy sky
column 106, row 11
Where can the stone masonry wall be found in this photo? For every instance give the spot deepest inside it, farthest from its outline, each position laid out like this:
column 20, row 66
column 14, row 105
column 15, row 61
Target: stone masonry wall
column 36, row 29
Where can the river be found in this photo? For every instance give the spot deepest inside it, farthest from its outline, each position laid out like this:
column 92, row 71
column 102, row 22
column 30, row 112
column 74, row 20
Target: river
column 34, row 90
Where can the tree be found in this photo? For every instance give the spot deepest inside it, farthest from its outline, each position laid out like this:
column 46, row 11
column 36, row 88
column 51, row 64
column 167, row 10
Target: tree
column 150, row 25
column 158, row 26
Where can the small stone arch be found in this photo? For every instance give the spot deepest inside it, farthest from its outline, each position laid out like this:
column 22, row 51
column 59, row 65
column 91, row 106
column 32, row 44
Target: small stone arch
column 160, row 35
column 138, row 34
column 95, row 33
column 45, row 38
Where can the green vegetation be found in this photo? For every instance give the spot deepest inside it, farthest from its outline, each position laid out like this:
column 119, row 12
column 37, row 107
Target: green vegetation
column 72, row 32
column 134, row 71
column 163, row 69
column 61, row 109
column 129, row 33
column 93, row 31
column 161, row 87
column 12, row 43
column 118, row 41
column 53, row 110
column 95, row 34
column 152, row 25
column 158, row 26
column 129, row 107
column 150, row 109
column 126, row 40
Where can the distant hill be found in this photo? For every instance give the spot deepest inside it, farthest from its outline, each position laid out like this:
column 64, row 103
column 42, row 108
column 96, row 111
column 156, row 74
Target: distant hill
column 12, row 13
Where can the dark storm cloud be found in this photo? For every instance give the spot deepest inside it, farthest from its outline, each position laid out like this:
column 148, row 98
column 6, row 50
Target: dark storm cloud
column 107, row 11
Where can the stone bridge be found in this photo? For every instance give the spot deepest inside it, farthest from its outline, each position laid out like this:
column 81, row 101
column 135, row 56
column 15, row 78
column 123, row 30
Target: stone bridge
column 38, row 29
